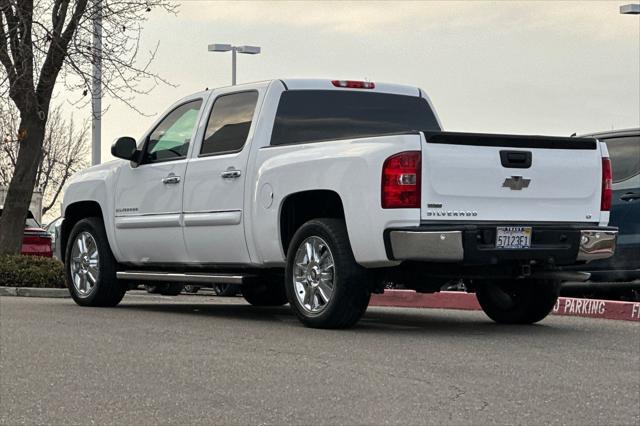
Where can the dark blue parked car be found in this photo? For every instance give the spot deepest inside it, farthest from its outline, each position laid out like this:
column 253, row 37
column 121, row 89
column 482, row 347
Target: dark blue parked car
column 624, row 151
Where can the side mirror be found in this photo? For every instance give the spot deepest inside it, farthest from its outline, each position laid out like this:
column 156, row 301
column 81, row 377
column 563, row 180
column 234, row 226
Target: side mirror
column 125, row 148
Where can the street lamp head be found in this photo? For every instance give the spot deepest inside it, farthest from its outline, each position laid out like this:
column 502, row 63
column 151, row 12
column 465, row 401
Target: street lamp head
column 220, row 47
column 630, row 9
column 250, row 50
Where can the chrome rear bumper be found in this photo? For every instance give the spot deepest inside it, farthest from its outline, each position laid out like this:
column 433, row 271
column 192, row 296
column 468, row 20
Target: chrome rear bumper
column 449, row 245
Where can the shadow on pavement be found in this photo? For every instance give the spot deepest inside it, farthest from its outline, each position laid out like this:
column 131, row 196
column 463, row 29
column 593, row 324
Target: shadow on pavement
column 376, row 320
column 240, row 311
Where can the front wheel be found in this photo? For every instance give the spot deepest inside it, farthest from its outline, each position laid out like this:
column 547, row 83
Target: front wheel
column 325, row 286
column 517, row 301
column 90, row 267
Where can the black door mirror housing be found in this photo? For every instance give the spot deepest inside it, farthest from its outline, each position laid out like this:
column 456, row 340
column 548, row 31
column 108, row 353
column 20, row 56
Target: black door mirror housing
column 125, row 148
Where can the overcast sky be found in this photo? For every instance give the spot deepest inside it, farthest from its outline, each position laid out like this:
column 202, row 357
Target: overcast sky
column 516, row 67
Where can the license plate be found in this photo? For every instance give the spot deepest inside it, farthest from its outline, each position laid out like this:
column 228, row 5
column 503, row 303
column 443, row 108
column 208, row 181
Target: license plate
column 513, row 237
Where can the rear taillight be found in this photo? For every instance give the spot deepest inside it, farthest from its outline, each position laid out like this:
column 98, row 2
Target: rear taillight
column 401, row 181
column 607, row 181
column 36, row 243
column 352, row 84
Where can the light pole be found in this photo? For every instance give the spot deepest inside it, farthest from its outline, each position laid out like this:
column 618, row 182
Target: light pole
column 630, row 9
column 96, row 92
column 248, row 50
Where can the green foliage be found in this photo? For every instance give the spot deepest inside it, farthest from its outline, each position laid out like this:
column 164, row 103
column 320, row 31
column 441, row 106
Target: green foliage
column 31, row 271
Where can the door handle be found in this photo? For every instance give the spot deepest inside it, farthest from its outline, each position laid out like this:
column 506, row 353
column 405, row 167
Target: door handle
column 171, row 179
column 231, row 173
column 629, row 196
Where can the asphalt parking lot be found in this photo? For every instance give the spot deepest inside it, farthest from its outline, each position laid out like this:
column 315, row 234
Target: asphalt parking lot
column 201, row 359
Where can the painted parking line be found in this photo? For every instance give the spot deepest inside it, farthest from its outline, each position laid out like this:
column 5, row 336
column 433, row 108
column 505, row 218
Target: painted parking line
column 568, row 306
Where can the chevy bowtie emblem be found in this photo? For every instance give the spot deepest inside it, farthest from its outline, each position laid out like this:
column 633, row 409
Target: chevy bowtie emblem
column 516, row 183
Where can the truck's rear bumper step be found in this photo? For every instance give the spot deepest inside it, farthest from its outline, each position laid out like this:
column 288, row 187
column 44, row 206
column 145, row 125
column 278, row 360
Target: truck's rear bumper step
column 475, row 244
column 182, row 277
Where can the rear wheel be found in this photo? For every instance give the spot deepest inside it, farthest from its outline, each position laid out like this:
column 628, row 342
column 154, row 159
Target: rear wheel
column 90, row 267
column 517, row 301
column 325, row 286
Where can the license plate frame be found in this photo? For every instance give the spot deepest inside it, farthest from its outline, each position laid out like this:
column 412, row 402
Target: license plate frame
column 513, row 237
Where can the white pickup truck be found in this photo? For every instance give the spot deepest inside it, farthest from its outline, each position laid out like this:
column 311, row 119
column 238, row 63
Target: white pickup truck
column 318, row 192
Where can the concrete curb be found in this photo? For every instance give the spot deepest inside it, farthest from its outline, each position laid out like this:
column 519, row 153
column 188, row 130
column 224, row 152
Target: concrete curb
column 8, row 291
column 567, row 306
column 35, row 292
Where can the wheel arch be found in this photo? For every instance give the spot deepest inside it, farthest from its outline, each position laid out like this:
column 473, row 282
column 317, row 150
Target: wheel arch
column 300, row 207
column 73, row 213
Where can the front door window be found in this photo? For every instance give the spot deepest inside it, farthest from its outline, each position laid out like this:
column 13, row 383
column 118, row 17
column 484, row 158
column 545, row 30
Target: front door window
column 170, row 139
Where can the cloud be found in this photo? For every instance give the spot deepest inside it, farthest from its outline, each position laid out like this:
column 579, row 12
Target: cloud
column 341, row 16
column 365, row 17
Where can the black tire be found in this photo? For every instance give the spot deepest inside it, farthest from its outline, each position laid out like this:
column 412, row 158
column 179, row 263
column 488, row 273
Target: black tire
column 172, row 289
column 517, row 301
column 351, row 292
column 191, row 289
column 108, row 290
column 267, row 290
column 225, row 290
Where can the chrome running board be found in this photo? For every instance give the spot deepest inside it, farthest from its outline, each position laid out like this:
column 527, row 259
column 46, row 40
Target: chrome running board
column 182, row 277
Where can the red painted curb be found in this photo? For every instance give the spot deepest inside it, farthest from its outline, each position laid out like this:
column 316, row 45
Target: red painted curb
column 411, row 299
column 569, row 306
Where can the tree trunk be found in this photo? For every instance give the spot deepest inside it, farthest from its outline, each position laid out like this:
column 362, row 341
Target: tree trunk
column 20, row 191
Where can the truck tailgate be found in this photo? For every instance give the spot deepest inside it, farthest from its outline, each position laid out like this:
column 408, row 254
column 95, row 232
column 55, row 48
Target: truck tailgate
column 508, row 178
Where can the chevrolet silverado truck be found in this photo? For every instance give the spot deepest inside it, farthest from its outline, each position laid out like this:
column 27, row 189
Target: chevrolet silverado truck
column 318, row 192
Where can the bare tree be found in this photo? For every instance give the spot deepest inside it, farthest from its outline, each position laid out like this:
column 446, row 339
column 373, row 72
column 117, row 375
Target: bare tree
column 45, row 42
column 65, row 150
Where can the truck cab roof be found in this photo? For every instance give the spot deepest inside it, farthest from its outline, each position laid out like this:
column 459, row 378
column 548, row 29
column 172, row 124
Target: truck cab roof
column 327, row 84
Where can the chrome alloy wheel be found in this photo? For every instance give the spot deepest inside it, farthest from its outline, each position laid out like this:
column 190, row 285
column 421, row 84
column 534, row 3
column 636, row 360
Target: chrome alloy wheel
column 314, row 275
column 85, row 263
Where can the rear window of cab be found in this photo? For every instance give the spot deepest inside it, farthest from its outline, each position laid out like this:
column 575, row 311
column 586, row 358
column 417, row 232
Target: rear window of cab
column 305, row 116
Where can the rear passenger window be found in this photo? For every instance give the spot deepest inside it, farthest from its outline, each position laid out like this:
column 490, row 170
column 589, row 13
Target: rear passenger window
column 229, row 123
column 625, row 157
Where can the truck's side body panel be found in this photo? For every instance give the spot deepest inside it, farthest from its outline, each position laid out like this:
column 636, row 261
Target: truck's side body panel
column 350, row 168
